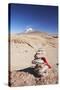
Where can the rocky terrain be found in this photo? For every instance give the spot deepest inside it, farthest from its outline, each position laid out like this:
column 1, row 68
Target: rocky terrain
column 22, row 50
column 28, row 78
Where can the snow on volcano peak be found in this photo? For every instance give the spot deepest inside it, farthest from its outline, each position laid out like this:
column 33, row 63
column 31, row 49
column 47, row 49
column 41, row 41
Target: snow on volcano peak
column 29, row 30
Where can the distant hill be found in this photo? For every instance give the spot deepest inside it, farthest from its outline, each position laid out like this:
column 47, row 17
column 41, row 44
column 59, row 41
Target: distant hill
column 31, row 31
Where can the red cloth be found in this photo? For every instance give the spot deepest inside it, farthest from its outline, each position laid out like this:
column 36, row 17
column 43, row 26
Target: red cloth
column 45, row 60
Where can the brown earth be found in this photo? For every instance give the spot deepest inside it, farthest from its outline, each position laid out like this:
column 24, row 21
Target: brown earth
column 22, row 50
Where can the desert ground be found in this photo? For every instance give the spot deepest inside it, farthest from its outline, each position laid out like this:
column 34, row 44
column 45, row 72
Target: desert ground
column 22, row 50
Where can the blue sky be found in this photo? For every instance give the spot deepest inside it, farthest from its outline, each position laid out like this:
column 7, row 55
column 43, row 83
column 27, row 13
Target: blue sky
column 42, row 18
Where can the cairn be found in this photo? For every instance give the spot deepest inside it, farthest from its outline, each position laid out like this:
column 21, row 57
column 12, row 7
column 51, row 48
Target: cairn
column 41, row 65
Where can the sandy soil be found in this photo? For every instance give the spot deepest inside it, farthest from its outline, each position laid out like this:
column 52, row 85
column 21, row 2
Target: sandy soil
column 22, row 50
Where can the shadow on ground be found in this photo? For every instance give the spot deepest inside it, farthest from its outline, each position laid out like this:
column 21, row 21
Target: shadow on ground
column 30, row 70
